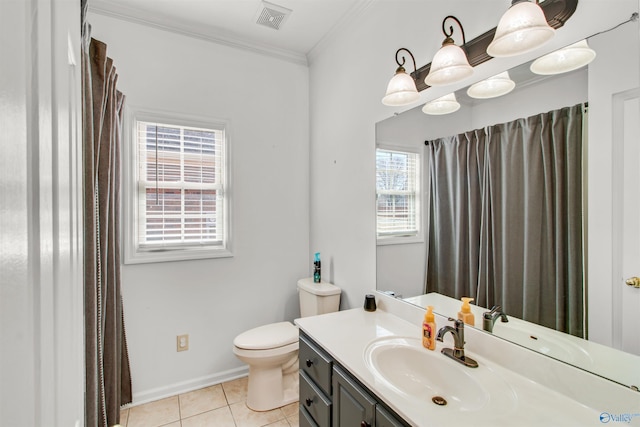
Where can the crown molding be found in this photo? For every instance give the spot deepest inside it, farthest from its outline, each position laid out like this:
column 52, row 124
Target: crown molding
column 143, row 18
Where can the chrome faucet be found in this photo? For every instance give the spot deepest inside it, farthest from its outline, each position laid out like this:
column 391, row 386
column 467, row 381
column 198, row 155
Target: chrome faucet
column 489, row 317
column 457, row 352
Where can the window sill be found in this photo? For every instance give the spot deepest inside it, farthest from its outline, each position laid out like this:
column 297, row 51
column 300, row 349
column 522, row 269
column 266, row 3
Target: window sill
column 168, row 255
column 399, row 240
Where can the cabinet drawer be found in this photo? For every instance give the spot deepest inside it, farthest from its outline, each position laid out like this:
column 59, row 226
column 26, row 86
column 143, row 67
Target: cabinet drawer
column 305, row 419
column 313, row 400
column 316, row 364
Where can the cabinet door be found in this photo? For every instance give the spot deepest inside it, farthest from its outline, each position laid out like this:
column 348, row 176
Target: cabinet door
column 352, row 406
column 385, row 419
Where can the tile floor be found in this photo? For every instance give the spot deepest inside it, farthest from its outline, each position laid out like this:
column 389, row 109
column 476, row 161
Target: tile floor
column 221, row 405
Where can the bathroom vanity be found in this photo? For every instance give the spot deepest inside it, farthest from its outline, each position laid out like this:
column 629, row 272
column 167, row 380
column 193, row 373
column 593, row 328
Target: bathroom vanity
column 361, row 368
column 330, row 396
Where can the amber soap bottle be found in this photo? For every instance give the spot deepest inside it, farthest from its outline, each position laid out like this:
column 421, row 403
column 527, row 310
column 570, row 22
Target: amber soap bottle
column 465, row 313
column 429, row 329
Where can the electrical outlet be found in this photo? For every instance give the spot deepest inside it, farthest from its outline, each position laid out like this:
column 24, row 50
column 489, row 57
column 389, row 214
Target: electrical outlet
column 182, row 342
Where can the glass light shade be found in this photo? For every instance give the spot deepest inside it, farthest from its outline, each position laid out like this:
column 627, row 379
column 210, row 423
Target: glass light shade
column 444, row 105
column 521, row 29
column 449, row 65
column 495, row 86
column 401, row 90
column 564, row 60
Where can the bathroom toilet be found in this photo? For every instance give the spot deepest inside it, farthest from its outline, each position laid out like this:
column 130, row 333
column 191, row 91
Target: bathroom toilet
column 271, row 351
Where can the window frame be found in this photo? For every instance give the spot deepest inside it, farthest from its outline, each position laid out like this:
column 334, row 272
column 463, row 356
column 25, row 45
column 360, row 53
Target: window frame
column 418, row 237
column 132, row 250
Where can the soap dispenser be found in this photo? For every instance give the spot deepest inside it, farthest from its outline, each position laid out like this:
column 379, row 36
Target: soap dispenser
column 429, row 329
column 465, row 313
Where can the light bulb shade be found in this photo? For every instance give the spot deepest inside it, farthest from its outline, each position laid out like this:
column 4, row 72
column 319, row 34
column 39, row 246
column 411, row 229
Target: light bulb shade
column 521, row 29
column 444, row 105
column 563, row 60
column 401, row 90
column 449, row 65
column 495, row 86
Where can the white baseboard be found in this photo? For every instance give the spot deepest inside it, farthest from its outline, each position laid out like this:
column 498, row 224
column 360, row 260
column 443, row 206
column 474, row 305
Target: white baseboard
column 151, row 395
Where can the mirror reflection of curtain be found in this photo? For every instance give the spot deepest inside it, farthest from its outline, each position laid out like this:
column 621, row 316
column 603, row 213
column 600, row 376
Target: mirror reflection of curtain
column 108, row 379
column 506, row 223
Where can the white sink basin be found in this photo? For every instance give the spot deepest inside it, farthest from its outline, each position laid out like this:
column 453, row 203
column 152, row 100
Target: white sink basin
column 546, row 341
column 426, row 377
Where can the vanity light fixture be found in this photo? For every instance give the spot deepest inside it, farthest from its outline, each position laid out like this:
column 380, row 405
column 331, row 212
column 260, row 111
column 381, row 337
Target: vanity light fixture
column 498, row 85
column 563, row 60
column 557, row 12
column 450, row 63
column 444, row 105
column 522, row 28
column 401, row 89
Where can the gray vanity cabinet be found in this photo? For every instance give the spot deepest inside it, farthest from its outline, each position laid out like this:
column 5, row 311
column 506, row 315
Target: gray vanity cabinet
column 315, row 384
column 330, row 396
column 352, row 405
column 385, row 419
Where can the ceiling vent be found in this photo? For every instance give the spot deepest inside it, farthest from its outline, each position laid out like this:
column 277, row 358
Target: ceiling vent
column 271, row 15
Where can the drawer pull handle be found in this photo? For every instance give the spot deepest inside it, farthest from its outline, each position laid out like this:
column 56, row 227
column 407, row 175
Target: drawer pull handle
column 309, row 363
column 365, row 424
column 308, row 401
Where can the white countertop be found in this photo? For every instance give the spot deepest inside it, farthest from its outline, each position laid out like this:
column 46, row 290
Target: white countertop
column 346, row 334
column 602, row 360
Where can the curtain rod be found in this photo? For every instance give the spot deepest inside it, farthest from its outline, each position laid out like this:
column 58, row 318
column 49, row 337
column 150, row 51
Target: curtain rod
column 585, row 106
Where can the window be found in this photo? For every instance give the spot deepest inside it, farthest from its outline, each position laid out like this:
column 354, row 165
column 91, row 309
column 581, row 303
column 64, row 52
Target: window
column 397, row 196
column 177, row 190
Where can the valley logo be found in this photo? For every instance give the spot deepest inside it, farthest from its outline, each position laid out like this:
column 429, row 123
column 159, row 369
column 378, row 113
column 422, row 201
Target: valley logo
column 606, row 417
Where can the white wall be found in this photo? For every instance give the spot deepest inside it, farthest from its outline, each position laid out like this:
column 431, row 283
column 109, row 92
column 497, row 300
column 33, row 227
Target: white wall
column 266, row 102
column 41, row 323
column 348, row 76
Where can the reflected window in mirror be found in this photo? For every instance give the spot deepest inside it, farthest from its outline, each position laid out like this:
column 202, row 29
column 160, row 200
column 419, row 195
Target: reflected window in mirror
column 398, row 213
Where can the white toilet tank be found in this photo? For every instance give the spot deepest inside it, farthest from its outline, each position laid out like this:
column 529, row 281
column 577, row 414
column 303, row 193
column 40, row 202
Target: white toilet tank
column 317, row 298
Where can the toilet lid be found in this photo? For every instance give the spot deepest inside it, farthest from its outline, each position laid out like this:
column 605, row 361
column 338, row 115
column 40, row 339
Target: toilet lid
column 267, row 336
column 321, row 289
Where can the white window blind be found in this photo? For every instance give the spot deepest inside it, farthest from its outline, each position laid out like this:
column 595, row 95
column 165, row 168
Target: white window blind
column 181, row 186
column 397, row 193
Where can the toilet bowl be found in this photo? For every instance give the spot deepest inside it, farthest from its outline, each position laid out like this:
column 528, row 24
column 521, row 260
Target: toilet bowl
column 271, row 351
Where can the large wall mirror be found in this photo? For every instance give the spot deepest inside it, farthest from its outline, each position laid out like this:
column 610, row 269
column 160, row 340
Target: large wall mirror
column 609, row 344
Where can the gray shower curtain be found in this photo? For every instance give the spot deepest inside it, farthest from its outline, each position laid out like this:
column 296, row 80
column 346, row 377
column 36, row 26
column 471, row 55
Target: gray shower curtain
column 108, row 379
column 506, row 223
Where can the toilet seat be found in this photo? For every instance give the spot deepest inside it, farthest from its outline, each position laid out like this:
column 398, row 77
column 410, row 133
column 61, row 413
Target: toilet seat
column 268, row 337
column 266, row 353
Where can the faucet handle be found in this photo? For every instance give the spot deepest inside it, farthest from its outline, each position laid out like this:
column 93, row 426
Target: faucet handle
column 495, row 308
column 459, row 324
column 496, row 311
column 490, row 313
